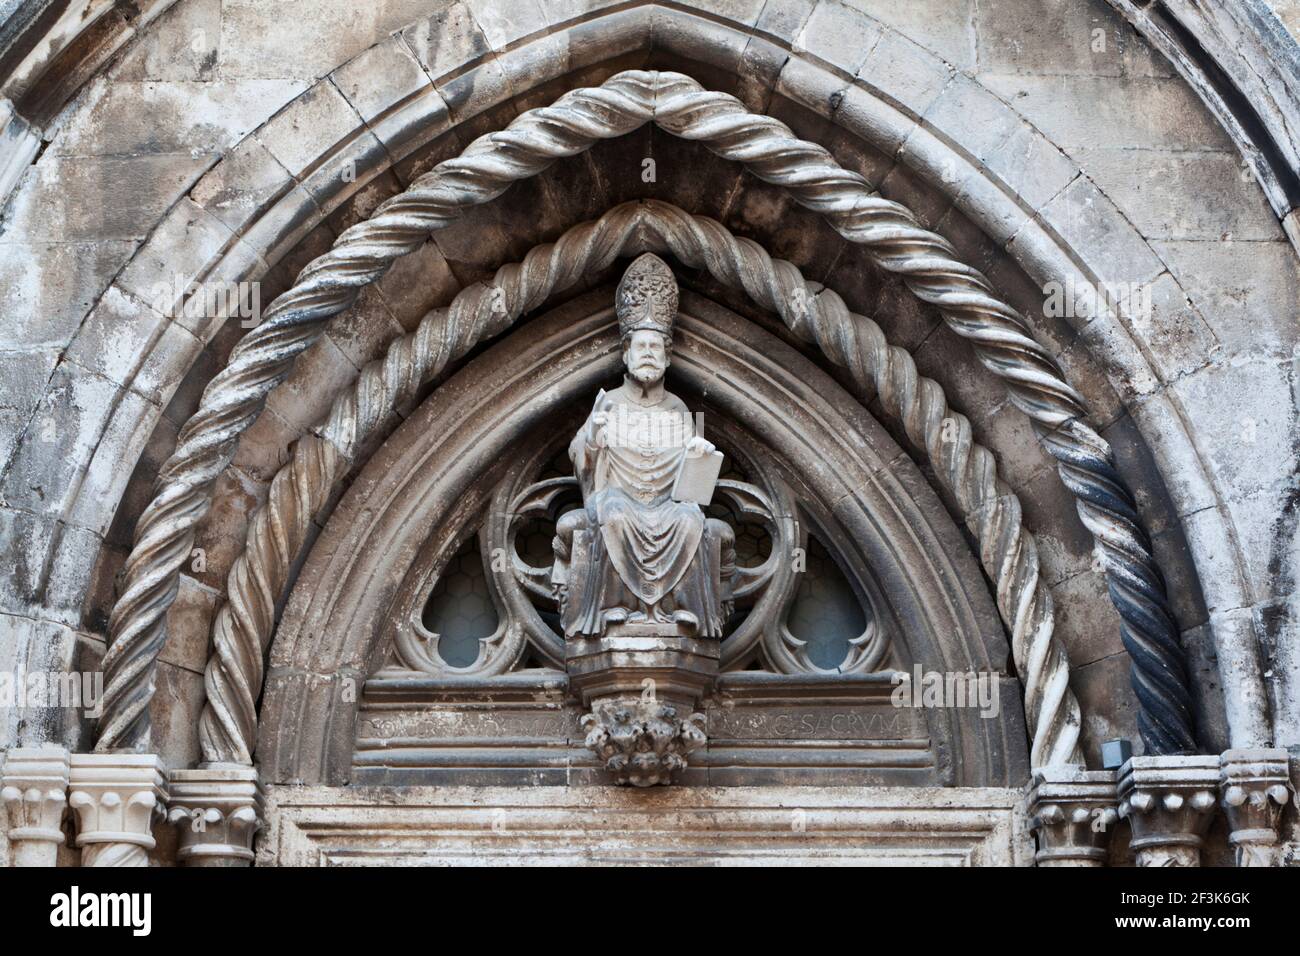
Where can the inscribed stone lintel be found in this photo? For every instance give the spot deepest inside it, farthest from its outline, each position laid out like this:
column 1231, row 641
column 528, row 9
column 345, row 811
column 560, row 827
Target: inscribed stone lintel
column 814, row 730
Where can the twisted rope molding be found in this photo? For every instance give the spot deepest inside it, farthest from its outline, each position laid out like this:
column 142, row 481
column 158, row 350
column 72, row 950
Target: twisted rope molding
column 328, row 285
column 244, row 625
column 678, row 104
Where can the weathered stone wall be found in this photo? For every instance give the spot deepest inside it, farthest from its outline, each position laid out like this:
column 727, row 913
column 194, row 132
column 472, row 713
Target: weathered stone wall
column 236, row 138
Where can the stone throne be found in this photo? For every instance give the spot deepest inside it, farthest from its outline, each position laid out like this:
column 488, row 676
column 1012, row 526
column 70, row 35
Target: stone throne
column 642, row 577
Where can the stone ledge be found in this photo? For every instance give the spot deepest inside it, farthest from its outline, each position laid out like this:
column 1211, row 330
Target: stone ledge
column 593, row 825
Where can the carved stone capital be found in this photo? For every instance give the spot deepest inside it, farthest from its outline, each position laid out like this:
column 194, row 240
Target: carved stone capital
column 217, row 811
column 116, row 797
column 35, row 793
column 1072, row 813
column 642, row 742
column 1255, row 785
column 1169, row 803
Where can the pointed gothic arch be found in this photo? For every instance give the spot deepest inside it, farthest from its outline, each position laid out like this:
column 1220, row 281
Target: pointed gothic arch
column 927, row 262
column 864, row 109
column 304, row 486
column 439, row 470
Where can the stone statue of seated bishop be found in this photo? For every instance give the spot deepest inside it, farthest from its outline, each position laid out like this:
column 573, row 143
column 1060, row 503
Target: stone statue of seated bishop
column 634, row 553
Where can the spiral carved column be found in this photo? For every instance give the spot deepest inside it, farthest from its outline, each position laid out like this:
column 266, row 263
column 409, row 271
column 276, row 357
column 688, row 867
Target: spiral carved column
column 770, row 150
column 1002, row 340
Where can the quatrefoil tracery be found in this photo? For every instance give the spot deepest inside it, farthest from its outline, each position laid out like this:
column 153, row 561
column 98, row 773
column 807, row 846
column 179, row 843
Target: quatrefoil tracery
column 520, row 590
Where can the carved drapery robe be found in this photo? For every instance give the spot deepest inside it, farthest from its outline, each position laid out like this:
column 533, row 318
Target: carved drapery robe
column 646, row 551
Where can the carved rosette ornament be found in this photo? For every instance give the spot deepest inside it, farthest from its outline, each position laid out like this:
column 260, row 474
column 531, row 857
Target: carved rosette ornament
column 1169, row 803
column 116, row 797
column 35, row 794
column 1255, row 786
column 1072, row 813
column 217, row 811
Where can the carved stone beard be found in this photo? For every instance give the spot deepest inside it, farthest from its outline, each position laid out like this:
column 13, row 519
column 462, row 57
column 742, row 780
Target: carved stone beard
column 647, row 373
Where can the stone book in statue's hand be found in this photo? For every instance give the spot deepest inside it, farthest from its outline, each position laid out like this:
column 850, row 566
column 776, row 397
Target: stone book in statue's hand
column 697, row 478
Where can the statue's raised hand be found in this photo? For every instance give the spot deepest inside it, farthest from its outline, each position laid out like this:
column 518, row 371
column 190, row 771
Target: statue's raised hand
column 599, row 429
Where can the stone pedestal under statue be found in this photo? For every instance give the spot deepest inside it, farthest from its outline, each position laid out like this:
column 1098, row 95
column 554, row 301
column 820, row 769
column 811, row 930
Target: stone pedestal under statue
column 642, row 684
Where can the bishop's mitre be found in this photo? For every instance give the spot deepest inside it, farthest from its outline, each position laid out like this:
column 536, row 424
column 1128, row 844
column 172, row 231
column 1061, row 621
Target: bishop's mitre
column 646, row 297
